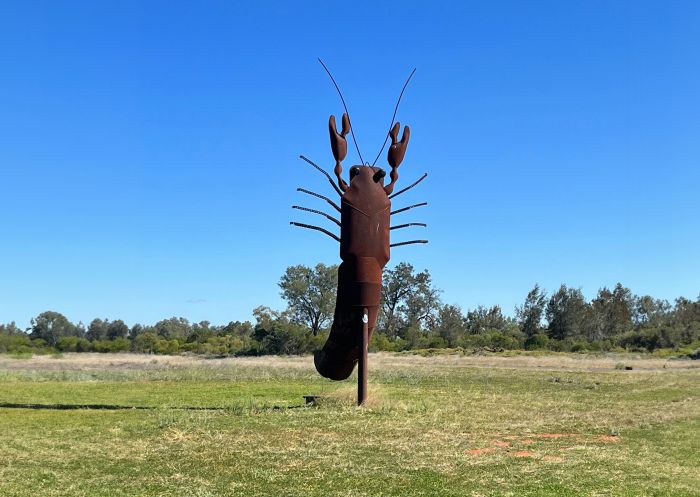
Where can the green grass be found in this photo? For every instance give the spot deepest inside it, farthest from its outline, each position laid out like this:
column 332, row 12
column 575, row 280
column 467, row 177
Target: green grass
column 433, row 426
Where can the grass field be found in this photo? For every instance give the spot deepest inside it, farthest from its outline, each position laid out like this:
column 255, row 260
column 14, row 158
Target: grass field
column 570, row 425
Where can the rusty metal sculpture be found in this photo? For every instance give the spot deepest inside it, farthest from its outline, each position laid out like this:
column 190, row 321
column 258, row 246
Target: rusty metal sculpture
column 365, row 212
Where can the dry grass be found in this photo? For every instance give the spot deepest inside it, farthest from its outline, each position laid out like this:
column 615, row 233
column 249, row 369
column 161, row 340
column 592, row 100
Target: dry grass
column 126, row 361
column 379, row 361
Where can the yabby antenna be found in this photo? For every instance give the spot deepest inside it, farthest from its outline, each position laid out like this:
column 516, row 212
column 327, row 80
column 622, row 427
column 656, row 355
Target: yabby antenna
column 394, row 116
column 352, row 131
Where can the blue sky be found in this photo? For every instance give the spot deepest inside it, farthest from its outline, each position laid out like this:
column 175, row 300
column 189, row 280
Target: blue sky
column 148, row 150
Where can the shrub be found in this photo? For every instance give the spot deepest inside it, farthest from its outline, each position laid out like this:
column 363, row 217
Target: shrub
column 73, row 344
column 15, row 343
column 381, row 342
column 145, row 343
column 537, row 341
column 579, row 346
column 600, row 345
column 430, row 342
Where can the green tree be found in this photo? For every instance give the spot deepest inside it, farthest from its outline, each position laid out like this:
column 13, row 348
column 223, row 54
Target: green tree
column 10, row 329
column 646, row 310
column 409, row 300
column 117, row 329
column 310, row 294
column 451, row 325
column 686, row 317
column 136, row 330
column 483, row 319
column 145, row 343
column 173, row 328
column 397, row 284
column 529, row 315
column 567, row 313
column 97, row 329
column 50, row 326
column 686, row 312
column 239, row 328
column 612, row 313
column 201, row 332
column 276, row 334
column 422, row 305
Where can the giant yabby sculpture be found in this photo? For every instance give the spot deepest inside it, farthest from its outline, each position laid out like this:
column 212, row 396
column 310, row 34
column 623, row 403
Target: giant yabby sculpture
column 365, row 214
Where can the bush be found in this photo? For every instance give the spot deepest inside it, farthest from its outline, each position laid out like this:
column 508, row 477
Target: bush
column 116, row 345
column 73, row 344
column 15, row 343
column 165, row 347
column 579, row 346
column 430, row 342
column 600, row 345
column 436, row 352
column 145, row 343
column 502, row 341
column 653, row 338
column 537, row 341
column 279, row 336
column 494, row 340
column 381, row 342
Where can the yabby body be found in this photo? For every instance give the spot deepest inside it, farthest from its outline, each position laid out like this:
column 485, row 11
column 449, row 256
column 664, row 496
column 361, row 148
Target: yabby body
column 364, row 250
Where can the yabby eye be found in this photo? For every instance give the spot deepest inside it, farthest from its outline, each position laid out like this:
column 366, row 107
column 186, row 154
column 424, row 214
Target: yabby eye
column 354, row 171
column 379, row 175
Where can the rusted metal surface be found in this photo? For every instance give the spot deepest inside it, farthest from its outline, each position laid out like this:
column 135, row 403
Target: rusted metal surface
column 364, row 249
column 365, row 217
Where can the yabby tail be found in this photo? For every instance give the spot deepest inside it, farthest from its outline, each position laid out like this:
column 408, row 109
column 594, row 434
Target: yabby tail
column 359, row 288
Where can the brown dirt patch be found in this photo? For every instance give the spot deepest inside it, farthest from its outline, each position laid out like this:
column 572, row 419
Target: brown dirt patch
column 515, row 445
column 478, row 452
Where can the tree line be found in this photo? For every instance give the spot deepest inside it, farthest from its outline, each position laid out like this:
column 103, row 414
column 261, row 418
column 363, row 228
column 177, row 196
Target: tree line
column 412, row 316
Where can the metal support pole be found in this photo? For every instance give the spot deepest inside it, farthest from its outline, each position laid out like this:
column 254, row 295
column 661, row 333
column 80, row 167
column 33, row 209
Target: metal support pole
column 362, row 365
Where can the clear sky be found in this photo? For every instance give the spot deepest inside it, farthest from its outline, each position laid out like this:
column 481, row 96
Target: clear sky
column 149, row 150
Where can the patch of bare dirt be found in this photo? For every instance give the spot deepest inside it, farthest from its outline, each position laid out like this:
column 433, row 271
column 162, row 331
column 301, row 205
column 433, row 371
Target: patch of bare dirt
column 479, row 452
column 547, row 442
